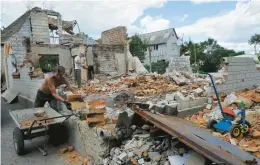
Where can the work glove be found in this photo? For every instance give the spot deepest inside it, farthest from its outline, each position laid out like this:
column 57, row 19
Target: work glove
column 68, row 105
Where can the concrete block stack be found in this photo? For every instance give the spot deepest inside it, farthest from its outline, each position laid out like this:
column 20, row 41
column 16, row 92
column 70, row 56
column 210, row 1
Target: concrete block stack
column 179, row 64
column 239, row 73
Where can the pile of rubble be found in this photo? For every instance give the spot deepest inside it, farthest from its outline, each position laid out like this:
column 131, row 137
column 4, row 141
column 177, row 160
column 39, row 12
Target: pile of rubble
column 147, row 85
column 73, row 157
column 251, row 98
column 148, row 146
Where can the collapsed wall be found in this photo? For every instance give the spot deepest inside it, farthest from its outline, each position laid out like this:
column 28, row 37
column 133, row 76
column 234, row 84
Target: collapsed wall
column 114, row 36
column 239, row 73
column 104, row 57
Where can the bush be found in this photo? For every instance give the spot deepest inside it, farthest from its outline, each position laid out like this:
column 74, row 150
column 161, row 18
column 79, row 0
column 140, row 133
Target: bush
column 159, row 66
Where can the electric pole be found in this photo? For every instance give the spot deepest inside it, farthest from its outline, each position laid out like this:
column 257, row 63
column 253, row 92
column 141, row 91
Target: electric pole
column 150, row 58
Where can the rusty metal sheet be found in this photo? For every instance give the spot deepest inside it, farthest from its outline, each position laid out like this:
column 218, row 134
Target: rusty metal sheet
column 199, row 140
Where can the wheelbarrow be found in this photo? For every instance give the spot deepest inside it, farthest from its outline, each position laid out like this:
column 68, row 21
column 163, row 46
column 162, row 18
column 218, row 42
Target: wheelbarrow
column 29, row 126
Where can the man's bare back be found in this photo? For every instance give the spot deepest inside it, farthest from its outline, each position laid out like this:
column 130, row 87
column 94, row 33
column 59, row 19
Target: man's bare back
column 52, row 81
column 47, row 91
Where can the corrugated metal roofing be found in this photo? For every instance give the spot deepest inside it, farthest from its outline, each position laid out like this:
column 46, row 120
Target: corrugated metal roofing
column 158, row 37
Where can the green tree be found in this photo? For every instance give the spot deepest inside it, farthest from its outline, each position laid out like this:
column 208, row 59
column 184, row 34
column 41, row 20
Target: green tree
column 159, row 66
column 138, row 47
column 209, row 61
column 255, row 40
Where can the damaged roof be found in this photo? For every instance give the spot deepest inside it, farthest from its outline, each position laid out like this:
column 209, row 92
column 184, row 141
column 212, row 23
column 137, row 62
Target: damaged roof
column 159, row 37
column 14, row 27
column 18, row 23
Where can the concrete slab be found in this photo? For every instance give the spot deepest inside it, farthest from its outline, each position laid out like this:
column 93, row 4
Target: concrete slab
column 10, row 95
column 189, row 111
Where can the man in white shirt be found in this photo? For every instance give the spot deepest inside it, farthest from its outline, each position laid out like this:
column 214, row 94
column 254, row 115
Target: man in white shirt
column 78, row 65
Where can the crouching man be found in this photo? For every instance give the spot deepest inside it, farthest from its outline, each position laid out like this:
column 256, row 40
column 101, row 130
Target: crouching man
column 47, row 91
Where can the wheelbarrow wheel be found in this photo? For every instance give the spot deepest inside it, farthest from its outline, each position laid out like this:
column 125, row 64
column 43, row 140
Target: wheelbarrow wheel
column 18, row 139
column 246, row 129
column 211, row 123
column 235, row 131
column 58, row 134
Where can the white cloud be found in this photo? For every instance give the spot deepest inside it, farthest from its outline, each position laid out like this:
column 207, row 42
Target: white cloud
column 93, row 16
column 150, row 24
column 232, row 29
column 214, row 1
column 185, row 16
column 244, row 46
column 204, row 1
column 235, row 26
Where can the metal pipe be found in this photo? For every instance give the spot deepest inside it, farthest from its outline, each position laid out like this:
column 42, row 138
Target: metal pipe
column 216, row 92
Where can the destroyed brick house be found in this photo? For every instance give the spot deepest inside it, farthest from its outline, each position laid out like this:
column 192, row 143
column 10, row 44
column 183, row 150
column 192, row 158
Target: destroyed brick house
column 35, row 43
column 36, row 38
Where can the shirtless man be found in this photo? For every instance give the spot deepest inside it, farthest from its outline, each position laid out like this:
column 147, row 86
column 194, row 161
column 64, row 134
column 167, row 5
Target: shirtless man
column 47, row 91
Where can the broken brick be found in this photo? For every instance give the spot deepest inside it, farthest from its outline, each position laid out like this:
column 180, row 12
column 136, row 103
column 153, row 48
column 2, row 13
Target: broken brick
column 63, row 150
column 134, row 161
column 194, row 116
column 145, row 154
column 85, row 162
column 214, row 97
column 257, row 154
column 256, row 134
column 206, row 111
column 251, row 149
column 200, row 114
column 70, row 149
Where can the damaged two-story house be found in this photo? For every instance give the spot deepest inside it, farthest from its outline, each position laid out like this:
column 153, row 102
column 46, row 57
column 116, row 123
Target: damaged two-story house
column 34, row 45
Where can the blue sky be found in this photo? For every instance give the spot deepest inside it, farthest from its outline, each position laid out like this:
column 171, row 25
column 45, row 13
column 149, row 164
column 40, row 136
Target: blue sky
column 230, row 23
column 175, row 10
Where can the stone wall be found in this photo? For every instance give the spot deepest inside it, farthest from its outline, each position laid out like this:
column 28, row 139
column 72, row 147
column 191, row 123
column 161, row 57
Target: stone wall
column 104, row 57
column 114, row 36
column 239, row 73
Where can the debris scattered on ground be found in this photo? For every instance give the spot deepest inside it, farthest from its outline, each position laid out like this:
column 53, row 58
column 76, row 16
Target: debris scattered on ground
column 63, row 150
column 145, row 146
column 73, row 157
column 250, row 143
